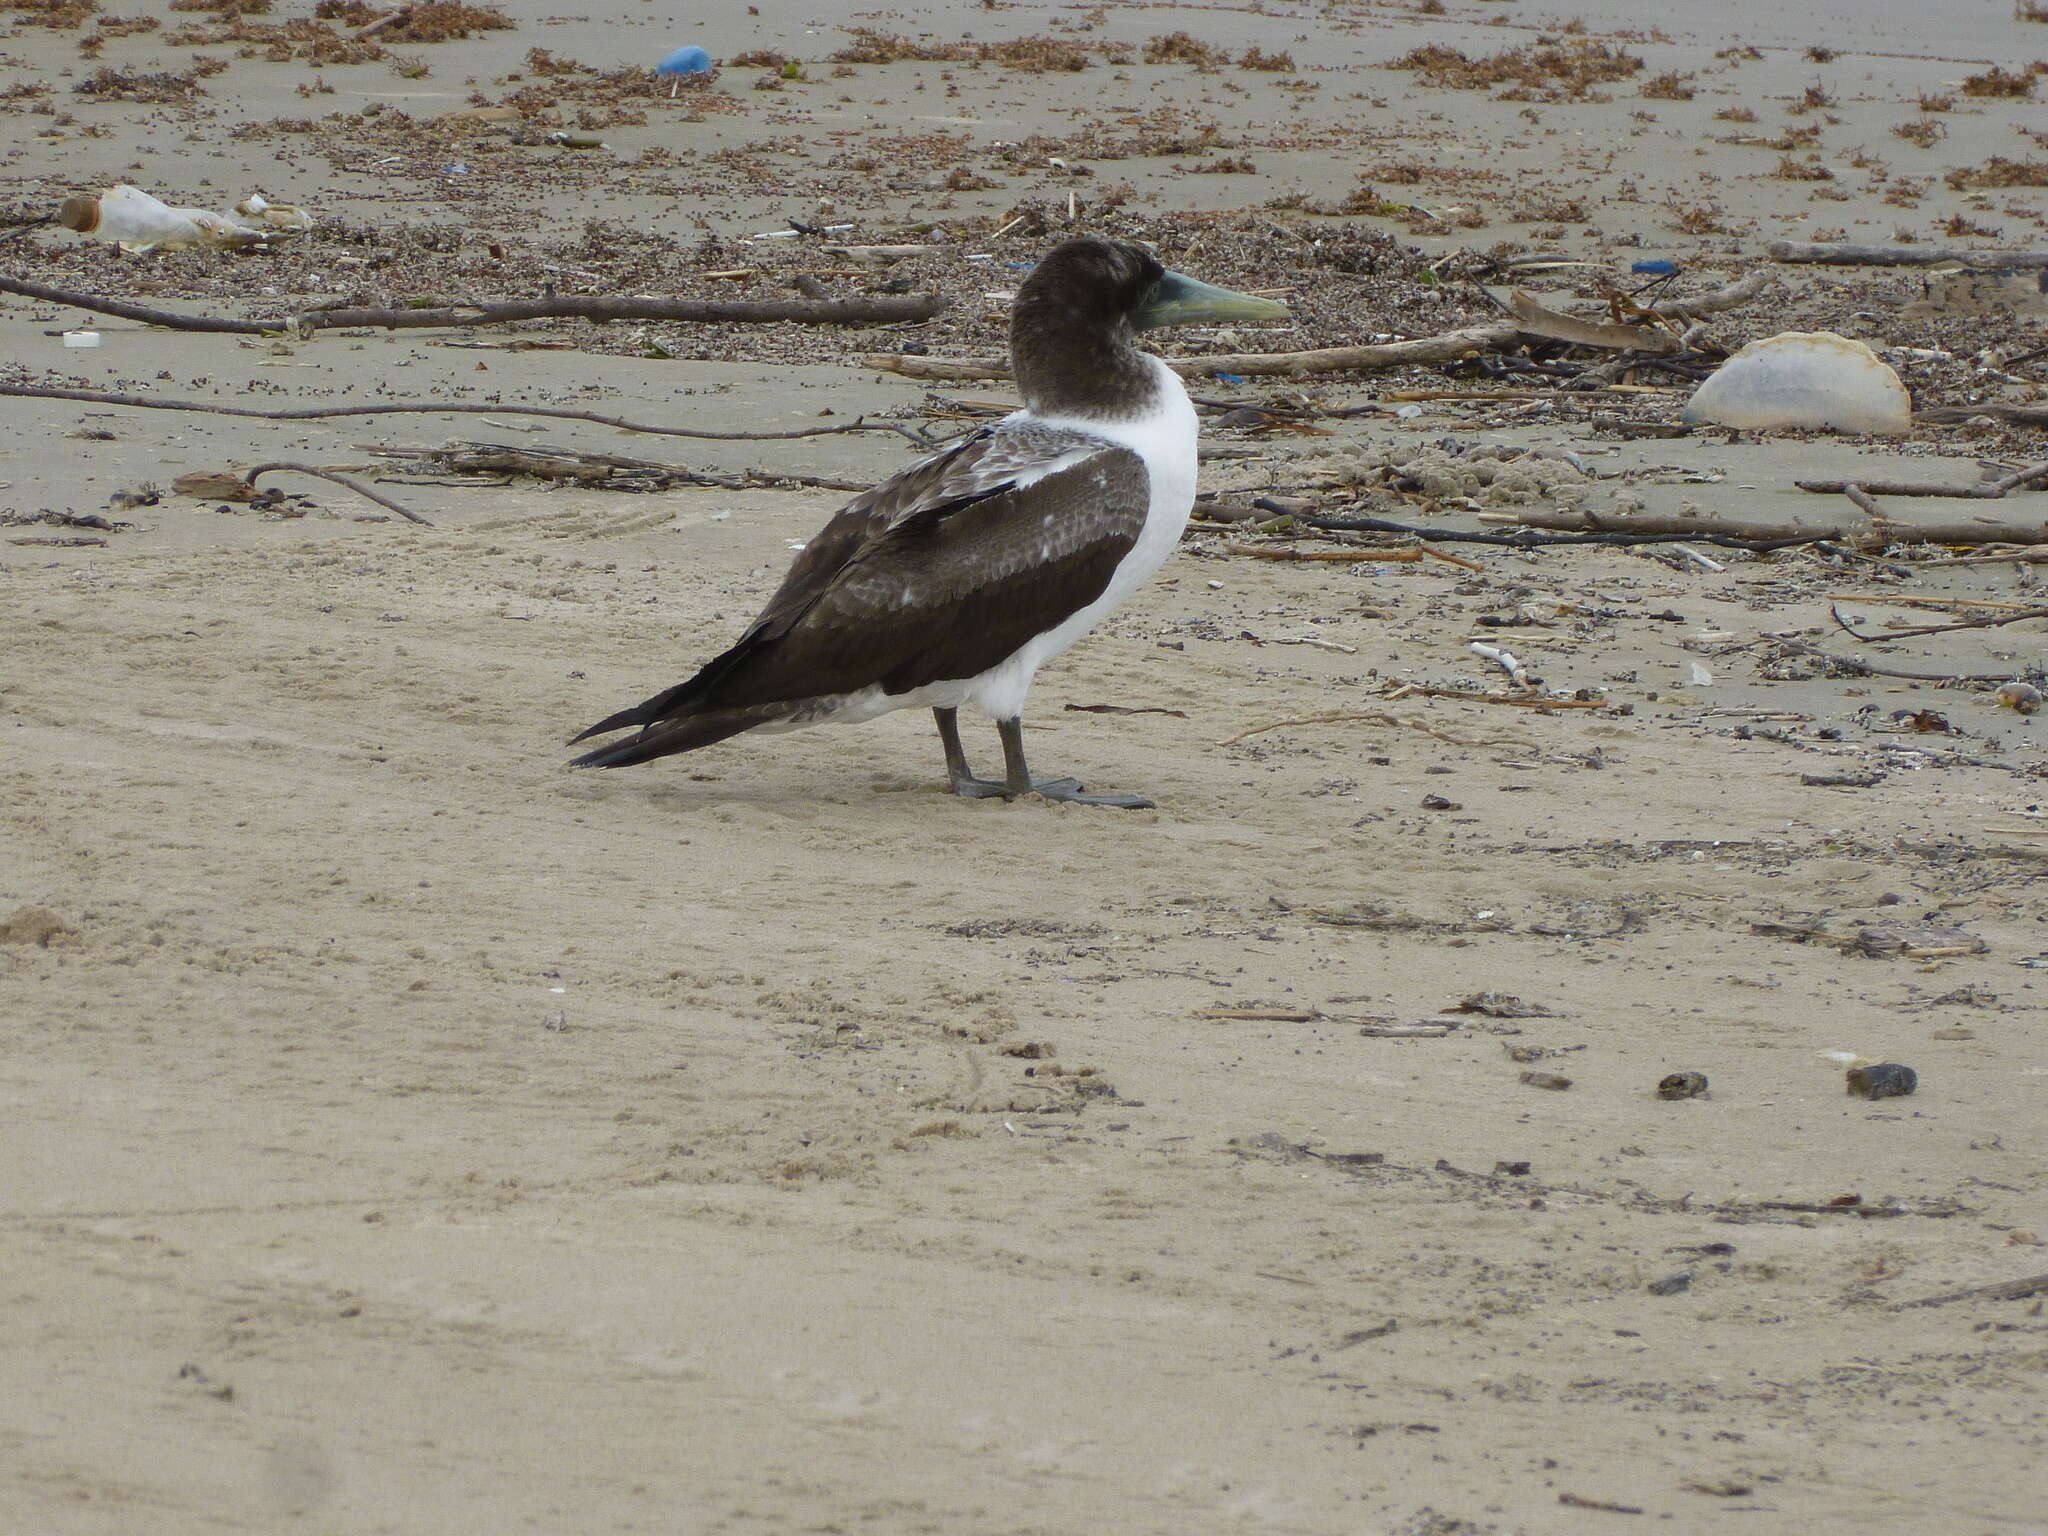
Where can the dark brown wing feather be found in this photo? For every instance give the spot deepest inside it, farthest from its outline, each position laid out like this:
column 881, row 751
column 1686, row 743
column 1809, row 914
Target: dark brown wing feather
column 939, row 573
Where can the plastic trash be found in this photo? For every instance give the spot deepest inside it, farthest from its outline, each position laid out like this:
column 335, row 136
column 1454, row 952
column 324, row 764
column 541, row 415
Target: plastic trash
column 685, row 61
column 1653, row 268
column 283, row 217
column 1812, row 379
column 81, row 338
column 140, row 222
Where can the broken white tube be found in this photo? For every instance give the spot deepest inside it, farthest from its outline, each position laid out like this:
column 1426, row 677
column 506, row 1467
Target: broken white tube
column 1503, row 659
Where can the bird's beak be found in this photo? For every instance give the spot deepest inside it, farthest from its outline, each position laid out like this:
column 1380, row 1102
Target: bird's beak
column 1179, row 300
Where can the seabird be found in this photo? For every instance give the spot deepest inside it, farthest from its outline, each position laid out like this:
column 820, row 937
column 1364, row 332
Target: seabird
column 956, row 579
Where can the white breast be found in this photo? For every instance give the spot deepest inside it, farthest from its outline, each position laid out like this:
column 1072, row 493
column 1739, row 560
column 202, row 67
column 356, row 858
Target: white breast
column 1165, row 439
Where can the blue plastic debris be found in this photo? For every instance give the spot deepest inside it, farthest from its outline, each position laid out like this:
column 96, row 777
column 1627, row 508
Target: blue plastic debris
column 685, row 61
column 1228, row 378
column 1654, row 268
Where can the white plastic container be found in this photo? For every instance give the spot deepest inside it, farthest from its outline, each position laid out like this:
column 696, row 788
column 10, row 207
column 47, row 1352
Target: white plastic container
column 81, row 338
column 140, row 222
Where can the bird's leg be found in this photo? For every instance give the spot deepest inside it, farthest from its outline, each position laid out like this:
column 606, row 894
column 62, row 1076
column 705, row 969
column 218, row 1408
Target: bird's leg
column 1018, row 780
column 958, row 774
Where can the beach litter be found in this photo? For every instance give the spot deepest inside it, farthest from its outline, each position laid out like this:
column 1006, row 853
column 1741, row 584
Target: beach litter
column 139, row 222
column 1803, row 379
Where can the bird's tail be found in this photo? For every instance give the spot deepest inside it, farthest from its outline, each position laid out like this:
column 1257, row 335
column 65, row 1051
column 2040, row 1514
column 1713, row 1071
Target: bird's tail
column 659, row 738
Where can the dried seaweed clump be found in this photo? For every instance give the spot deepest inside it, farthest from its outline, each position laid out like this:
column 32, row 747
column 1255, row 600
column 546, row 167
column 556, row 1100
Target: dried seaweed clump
column 1256, row 57
column 59, row 15
column 1180, row 48
column 1033, row 55
column 429, row 21
column 2000, row 82
column 1545, row 72
column 133, row 85
column 225, row 10
column 1670, row 86
column 2000, row 172
column 872, row 47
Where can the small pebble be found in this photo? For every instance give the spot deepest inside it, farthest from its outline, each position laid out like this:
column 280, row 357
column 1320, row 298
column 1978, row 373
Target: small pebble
column 1671, row 1285
column 1682, row 1085
column 1553, row 1080
column 1882, row 1080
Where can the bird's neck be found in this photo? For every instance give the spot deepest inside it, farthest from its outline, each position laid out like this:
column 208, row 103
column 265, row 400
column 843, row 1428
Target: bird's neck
column 1069, row 364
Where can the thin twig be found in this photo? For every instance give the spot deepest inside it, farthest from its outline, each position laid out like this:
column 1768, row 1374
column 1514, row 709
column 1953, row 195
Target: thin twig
column 321, row 412
column 1529, row 538
column 2002, row 1290
column 1862, row 668
column 1334, row 556
column 1380, row 717
column 343, row 480
column 1526, row 701
column 1933, row 629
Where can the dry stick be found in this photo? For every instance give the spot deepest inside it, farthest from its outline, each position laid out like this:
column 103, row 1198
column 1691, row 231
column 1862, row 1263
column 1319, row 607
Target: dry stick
column 2036, row 554
column 2011, row 415
column 1933, row 629
column 1862, row 668
column 343, row 480
column 1380, row 717
column 1734, row 296
column 1986, row 490
column 1782, row 535
column 319, row 412
column 1448, row 347
column 1372, row 359
column 1527, row 701
column 1865, row 503
column 1340, row 556
column 2003, row 1290
column 867, row 311
column 1902, row 601
column 1614, row 539
column 1898, row 255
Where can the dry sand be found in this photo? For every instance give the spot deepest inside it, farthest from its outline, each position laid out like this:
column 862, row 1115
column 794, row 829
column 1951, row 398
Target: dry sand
column 405, row 1135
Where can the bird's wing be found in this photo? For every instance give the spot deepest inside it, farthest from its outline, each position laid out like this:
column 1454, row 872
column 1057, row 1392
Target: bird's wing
column 940, row 572
column 997, row 458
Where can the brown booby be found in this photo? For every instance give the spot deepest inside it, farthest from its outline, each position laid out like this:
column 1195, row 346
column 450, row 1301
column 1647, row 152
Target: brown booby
column 956, row 579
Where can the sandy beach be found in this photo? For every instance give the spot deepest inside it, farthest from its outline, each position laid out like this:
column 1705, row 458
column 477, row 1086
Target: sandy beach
column 406, row 1134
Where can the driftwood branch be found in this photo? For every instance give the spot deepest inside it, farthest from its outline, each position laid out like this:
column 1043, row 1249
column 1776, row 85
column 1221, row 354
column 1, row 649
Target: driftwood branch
column 320, row 412
column 2011, row 415
column 602, row 471
column 342, row 480
column 1532, row 319
column 1370, row 359
column 1536, row 320
column 1734, row 296
column 1984, row 490
column 1899, row 255
column 879, row 310
column 1787, row 534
